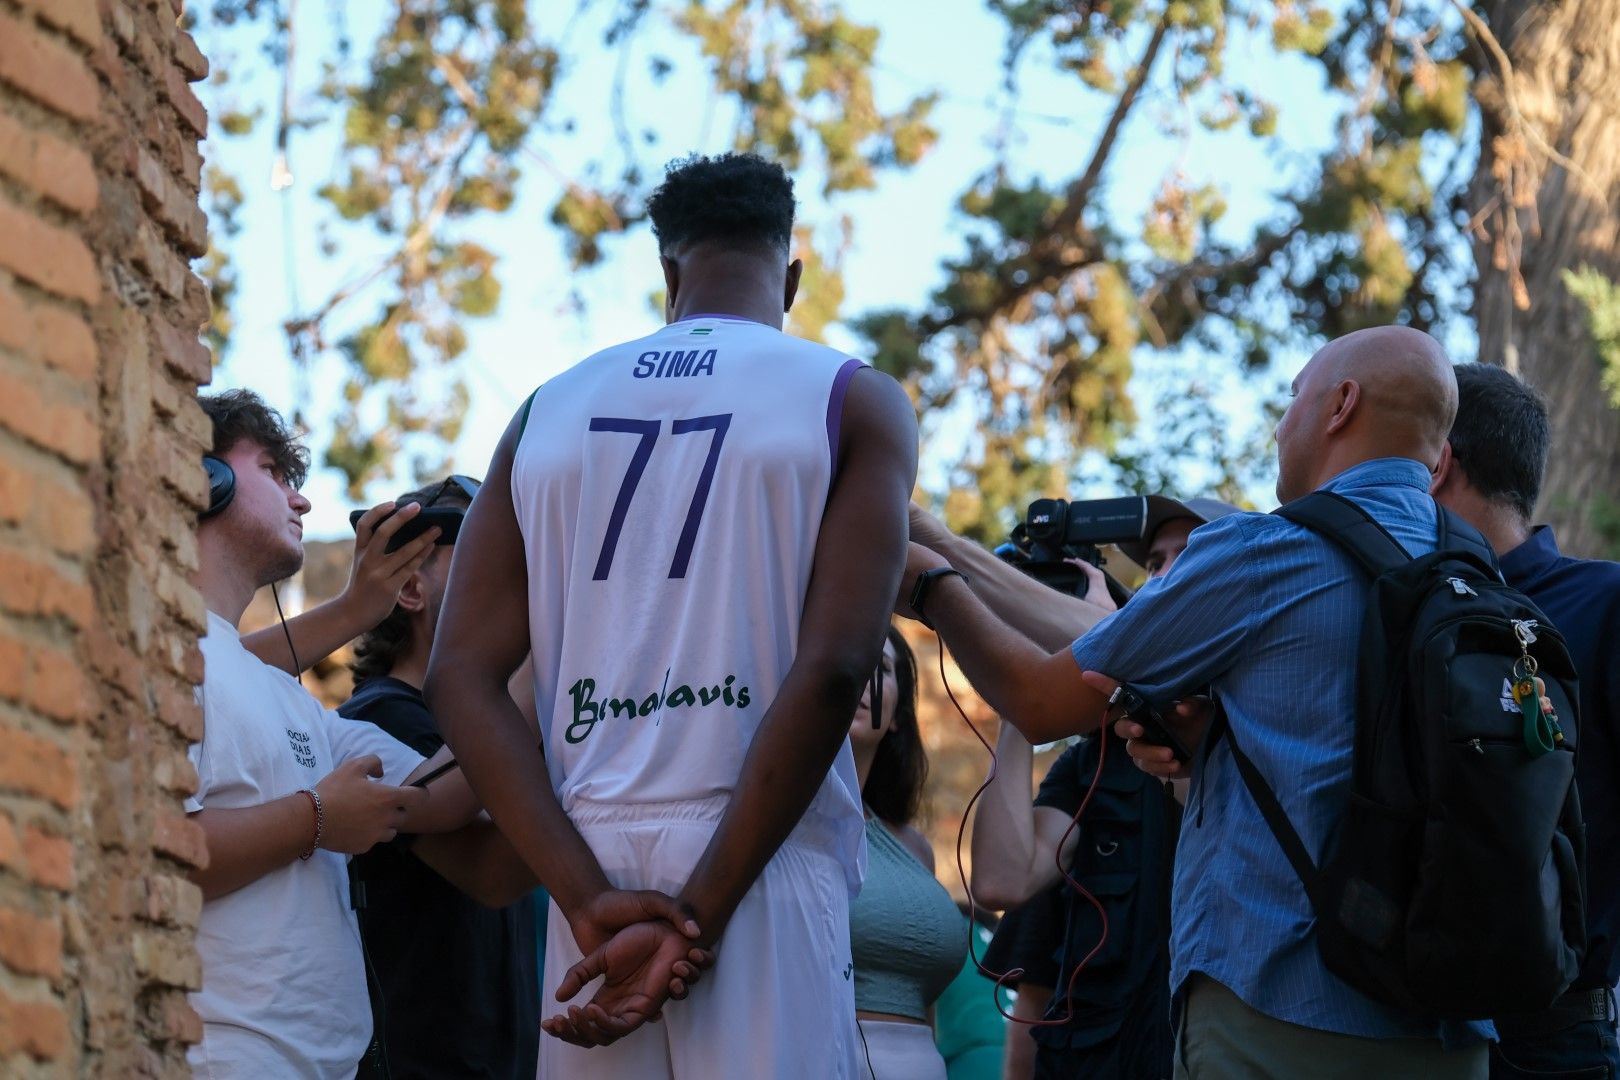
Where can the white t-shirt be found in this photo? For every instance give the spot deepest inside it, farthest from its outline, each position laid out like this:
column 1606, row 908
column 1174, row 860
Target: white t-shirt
column 284, row 985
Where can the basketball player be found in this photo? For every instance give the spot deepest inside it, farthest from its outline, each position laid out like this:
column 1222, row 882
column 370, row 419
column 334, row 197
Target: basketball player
column 709, row 524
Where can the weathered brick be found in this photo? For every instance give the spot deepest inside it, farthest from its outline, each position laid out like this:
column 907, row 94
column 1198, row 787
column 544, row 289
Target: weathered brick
column 30, row 410
column 56, row 684
column 189, row 57
column 117, row 665
column 166, row 269
column 167, row 959
column 177, row 707
column 65, row 341
column 33, row 765
column 51, row 257
column 175, row 774
column 187, row 161
column 36, row 1028
column 197, row 307
column 176, row 1021
column 47, row 165
column 185, row 354
column 30, row 944
column 11, row 852
column 78, row 17
column 31, row 587
column 49, row 858
column 180, row 838
column 45, row 69
column 173, row 901
column 185, row 102
column 16, row 321
column 169, row 203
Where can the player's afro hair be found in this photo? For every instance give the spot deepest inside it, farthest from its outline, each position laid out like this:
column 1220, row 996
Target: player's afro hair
column 740, row 200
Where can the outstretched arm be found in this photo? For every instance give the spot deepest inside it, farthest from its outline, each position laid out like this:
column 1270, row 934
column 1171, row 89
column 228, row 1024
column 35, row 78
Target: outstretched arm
column 1037, row 691
column 374, row 583
column 1049, row 618
column 858, row 560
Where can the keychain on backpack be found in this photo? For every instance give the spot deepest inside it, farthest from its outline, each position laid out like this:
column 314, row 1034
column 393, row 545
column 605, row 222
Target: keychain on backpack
column 1542, row 732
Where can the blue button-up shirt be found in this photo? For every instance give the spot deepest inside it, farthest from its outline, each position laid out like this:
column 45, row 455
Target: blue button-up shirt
column 1581, row 597
column 1268, row 614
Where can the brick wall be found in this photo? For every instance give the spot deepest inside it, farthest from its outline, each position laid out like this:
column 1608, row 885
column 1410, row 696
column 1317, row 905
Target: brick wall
column 99, row 487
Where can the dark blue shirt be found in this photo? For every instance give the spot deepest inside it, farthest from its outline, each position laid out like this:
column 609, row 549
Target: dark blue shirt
column 1581, row 597
column 461, row 992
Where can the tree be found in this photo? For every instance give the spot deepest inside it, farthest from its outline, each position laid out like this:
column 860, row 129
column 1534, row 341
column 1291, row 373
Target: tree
column 1470, row 190
column 1547, row 81
column 439, row 125
column 1055, row 303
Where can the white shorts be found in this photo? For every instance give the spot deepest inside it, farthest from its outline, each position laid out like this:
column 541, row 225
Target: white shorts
column 896, row 1051
column 779, row 1002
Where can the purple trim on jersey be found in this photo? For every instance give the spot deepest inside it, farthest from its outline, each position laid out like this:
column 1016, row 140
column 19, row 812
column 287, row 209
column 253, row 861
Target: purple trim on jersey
column 835, row 408
column 722, row 318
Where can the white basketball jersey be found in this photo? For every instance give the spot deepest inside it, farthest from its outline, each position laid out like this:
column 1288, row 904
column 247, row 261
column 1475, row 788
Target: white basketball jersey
column 670, row 492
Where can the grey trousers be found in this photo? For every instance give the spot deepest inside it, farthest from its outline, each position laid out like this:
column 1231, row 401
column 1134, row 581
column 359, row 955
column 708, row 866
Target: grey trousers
column 1222, row 1038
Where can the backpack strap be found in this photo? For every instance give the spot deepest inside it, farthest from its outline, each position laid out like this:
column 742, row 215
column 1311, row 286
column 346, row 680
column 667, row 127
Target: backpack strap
column 1336, row 518
column 1265, row 798
column 1457, row 534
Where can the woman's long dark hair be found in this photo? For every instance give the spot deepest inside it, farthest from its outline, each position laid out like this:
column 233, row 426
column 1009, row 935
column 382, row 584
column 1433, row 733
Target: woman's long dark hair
column 894, row 787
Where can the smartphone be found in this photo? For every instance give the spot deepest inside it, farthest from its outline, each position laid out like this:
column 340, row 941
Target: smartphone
column 447, row 518
column 1137, row 709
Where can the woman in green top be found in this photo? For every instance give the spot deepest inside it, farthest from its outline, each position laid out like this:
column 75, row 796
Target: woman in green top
column 907, row 939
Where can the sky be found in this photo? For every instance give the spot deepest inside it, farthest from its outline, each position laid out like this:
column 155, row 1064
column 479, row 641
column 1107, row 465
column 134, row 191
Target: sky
column 551, row 317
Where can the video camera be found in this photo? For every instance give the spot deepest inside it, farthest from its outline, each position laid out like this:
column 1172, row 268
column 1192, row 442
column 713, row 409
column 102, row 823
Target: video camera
column 1055, row 530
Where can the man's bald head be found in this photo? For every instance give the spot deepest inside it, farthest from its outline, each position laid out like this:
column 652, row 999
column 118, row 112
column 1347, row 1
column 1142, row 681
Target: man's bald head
column 1387, row 391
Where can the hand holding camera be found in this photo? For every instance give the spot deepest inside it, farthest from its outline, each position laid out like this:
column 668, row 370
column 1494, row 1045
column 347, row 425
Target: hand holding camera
column 387, row 551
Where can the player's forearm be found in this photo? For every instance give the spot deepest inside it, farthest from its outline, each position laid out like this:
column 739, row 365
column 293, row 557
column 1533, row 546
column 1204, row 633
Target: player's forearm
column 791, row 754
column 316, row 634
column 507, row 773
column 1005, row 667
column 480, row 861
column 247, row 843
column 1004, row 826
column 1047, row 617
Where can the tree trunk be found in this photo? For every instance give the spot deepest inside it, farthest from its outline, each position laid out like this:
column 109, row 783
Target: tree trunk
column 1565, row 56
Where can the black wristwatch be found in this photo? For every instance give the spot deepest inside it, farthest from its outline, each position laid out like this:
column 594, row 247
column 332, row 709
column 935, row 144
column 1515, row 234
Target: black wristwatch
column 925, row 581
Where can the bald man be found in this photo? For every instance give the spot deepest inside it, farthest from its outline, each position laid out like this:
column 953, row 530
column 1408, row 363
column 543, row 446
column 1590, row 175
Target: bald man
column 1268, row 614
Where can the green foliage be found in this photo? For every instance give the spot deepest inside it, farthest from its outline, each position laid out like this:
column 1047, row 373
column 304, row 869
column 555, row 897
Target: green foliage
column 1601, row 298
column 437, row 125
column 1053, row 304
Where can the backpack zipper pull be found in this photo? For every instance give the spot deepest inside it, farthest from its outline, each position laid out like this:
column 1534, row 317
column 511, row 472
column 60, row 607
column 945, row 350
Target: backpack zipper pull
column 1476, row 746
column 1462, row 588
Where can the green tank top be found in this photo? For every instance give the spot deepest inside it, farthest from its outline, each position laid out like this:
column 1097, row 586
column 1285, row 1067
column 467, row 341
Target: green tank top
column 907, row 939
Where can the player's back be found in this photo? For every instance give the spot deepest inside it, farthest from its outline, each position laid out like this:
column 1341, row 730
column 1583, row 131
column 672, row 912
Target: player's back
column 670, row 493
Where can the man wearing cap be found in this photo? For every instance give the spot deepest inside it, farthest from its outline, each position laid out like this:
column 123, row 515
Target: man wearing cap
column 1118, row 1022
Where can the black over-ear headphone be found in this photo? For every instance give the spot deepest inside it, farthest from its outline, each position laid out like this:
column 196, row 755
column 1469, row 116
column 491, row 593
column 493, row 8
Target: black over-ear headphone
column 221, row 485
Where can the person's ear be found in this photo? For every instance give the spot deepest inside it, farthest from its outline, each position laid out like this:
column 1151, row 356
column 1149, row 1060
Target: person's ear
column 1445, row 473
column 795, row 271
column 672, row 285
column 414, row 596
column 1345, row 397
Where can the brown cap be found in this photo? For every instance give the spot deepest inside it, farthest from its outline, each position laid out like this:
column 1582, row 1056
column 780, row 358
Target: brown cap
column 1161, row 508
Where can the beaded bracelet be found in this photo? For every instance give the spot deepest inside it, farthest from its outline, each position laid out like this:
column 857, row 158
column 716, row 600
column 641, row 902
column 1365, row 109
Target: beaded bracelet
column 320, row 822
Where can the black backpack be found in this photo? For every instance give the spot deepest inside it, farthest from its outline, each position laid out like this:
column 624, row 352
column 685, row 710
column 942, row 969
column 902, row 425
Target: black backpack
column 1453, row 886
